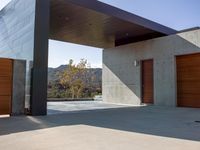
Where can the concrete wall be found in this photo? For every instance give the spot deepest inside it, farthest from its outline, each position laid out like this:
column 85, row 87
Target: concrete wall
column 17, row 21
column 122, row 80
column 18, row 96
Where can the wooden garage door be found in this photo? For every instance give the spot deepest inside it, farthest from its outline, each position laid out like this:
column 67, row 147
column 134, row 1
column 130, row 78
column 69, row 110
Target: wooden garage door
column 188, row 80
column 147, row 81
column 5, row 86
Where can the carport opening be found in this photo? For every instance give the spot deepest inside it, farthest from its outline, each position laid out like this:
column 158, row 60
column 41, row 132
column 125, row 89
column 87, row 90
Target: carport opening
column 74, row 77
column 92, row 24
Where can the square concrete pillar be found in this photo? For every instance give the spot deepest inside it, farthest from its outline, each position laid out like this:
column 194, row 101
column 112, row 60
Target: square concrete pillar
column 40, row 61
column 18, row 92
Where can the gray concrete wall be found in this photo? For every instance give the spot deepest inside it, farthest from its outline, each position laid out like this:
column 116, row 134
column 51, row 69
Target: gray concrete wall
column 18, row 96
column 17, row 21
column 122, row 80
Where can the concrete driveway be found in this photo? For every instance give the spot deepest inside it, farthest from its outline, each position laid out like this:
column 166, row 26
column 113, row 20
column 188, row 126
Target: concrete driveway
column 75, row 106
column 136, row 128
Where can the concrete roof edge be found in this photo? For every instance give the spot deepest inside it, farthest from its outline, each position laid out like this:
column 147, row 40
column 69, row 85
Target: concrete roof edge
column 189, row 29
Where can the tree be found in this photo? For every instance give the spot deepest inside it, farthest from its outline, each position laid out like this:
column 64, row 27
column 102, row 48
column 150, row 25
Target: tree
column 72, row 78
column 75, row 81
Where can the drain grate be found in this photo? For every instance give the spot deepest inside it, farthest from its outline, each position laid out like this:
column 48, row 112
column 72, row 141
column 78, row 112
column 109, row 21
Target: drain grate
column 197, row 121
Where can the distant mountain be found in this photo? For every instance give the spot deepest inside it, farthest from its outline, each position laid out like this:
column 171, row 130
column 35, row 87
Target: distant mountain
column 54, row 72
column 92, row 73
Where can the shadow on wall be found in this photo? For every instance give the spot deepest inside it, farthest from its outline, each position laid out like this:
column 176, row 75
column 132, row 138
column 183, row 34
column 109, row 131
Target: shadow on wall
column 118, row 87
column 151, row 120
column 122, row 80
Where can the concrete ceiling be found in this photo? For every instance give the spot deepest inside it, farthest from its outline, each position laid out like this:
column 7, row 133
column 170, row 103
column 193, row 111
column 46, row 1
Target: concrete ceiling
column 93, row 23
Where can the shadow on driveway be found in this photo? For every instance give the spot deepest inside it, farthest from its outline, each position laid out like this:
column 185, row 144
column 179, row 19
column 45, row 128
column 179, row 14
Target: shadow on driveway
column 161, row 121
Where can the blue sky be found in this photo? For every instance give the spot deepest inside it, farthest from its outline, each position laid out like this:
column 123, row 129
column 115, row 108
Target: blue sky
column 61, row 52
column 177, row 14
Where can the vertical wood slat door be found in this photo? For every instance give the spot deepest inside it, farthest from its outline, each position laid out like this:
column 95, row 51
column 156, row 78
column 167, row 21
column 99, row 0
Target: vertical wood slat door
column 188, row 80
column 6, row 73
column 147, row 81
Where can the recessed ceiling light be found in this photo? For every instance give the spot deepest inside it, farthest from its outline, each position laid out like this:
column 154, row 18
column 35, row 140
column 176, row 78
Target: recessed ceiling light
column 66, row 18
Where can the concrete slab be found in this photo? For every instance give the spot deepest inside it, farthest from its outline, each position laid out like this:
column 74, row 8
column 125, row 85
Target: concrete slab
column 135, row 128
column 74, row 106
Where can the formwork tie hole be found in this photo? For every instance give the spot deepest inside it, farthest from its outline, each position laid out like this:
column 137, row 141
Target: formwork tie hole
column 197, row 121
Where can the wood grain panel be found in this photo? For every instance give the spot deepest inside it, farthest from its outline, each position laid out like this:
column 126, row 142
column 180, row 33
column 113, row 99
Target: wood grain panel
column 5, row 86
column 5, row 105
column 188, row 80
column 147, row 81
column 5, row 67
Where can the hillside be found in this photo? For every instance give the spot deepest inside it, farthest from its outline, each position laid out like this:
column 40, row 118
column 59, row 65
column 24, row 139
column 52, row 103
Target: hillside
column 94, row 73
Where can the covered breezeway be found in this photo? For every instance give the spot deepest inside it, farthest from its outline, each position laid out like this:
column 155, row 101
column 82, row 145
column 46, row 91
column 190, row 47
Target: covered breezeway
column 87, row 22
column 96, row 24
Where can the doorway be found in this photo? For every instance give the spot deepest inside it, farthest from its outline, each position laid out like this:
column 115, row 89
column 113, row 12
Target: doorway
column 147, row 81
column 188, row 80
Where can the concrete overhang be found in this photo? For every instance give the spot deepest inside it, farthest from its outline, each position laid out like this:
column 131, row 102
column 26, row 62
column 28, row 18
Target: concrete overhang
column 93, row 23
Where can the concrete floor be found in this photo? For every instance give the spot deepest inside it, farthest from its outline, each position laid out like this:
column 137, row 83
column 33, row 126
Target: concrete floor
column 138, row 128
column 74, row 106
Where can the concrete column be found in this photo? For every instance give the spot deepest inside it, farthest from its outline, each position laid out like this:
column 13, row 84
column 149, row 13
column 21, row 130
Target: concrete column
column 40, row 62
column 19, row 80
